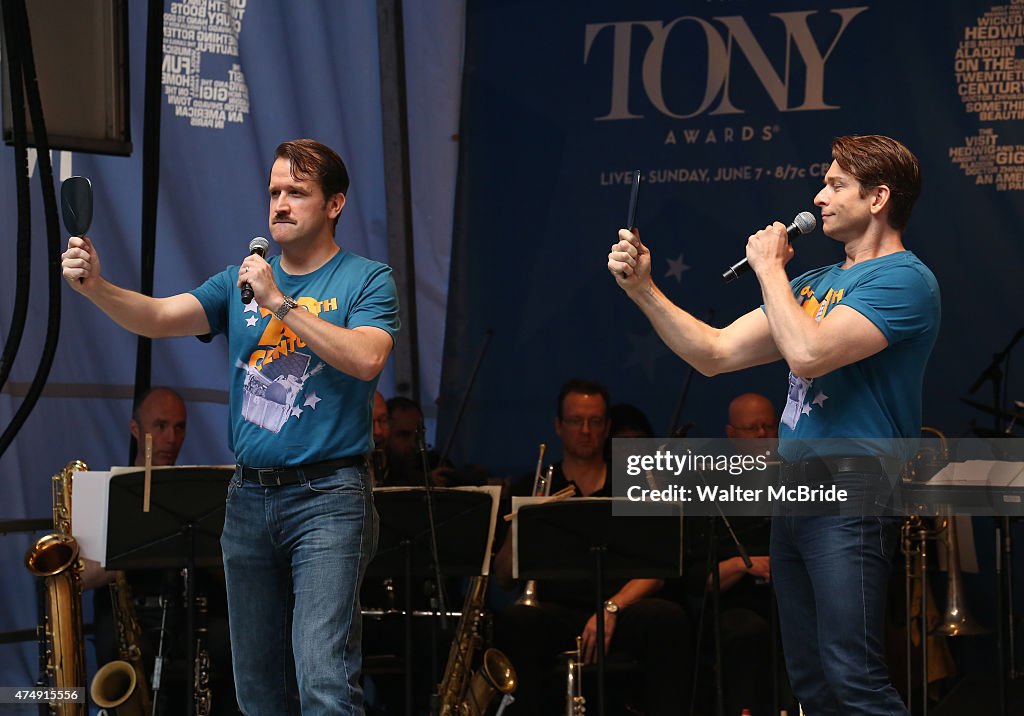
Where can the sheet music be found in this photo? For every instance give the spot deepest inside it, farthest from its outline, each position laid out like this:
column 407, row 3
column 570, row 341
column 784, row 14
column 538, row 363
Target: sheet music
column 980, row 473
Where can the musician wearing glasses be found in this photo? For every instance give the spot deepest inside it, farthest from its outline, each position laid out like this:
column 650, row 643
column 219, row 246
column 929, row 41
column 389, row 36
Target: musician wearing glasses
column 856, row 336
column 653, row 631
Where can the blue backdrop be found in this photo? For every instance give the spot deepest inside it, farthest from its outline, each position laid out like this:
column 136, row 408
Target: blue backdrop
column 559, row 102
column 238, row 78
column 728, row 108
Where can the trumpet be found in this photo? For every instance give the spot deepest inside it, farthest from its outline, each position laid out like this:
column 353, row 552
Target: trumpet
column 541, row 488
column 575, row 701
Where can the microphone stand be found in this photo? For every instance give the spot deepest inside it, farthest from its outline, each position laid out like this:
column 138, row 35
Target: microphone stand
column 994, row 372
column 421, row 446
column 1004, row 576
column 438, row 600
column 716, row 590
column 465, row 397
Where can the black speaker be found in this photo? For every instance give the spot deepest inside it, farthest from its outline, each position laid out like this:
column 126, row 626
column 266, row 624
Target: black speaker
column 80, row 49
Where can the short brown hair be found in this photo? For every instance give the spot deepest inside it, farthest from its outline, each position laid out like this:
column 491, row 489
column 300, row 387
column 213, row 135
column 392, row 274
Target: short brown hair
column 875, row 160
column 312, row 160
column 584, row 387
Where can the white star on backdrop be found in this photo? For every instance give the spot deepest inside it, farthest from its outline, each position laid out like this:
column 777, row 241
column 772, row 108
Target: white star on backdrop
column 806, row 410
column 296, row 411
column 250, row 321
column 820, row 399
column 676, row 268
column 312, row 400
column 252, row 307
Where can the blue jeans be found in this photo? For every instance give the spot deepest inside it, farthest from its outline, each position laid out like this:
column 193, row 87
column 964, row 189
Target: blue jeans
column 294, row 558
column 831, row 575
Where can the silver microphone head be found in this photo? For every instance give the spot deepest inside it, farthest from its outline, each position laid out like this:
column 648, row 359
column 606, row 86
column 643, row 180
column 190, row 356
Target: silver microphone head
column 260, row 244
column 805, row 222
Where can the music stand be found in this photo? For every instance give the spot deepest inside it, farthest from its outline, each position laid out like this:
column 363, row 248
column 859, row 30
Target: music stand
column 464, row 519
column 581, row 538
column 182, row 528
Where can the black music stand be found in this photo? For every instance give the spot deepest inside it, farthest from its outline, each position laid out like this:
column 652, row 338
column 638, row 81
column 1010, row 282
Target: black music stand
column 708, row 545
column 181, row 529
column 464, row 522
column 580, row 538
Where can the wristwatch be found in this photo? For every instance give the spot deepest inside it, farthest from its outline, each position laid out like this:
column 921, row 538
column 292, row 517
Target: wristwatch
column 611, row 607
column 286, row 305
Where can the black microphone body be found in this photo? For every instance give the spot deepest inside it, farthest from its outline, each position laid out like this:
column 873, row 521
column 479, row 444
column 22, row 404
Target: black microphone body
column 804, row 223
column 257, row 246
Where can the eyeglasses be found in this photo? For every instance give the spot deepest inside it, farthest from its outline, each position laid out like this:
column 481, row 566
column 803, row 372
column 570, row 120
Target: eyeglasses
column 594, row 423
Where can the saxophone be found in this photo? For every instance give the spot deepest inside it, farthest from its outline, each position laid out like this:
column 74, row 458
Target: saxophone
column 54, row 557
column 122, row 684
column 462, row 693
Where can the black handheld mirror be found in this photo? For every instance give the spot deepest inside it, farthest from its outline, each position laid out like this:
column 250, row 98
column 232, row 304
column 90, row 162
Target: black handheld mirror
column 76, row 204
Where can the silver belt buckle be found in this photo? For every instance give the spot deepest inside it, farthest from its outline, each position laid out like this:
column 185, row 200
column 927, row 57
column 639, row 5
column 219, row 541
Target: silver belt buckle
column 274, row 480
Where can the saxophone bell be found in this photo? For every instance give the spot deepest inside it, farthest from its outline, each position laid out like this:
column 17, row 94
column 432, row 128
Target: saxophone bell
column 461, row 692
column 122, row 684
column 52, row 554
column 115, row 687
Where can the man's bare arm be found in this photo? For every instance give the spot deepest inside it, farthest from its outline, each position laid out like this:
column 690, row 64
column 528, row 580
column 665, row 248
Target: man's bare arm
column 180, row 315
column 810, row 347
column 360, row 352
column 744, row 343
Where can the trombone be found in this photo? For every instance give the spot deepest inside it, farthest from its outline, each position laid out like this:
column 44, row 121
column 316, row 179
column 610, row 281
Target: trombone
column 957, row 620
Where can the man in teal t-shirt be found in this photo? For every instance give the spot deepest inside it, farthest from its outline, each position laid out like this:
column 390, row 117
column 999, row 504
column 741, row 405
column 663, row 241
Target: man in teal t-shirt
column 306, row 352
column 856, row 337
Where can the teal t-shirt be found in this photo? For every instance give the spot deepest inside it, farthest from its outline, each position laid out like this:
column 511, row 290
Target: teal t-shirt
column 287, row 406
column 878, row 397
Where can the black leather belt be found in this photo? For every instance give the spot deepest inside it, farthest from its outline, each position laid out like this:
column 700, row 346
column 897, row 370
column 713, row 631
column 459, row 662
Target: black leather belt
column 823, row 469
column 274, row 476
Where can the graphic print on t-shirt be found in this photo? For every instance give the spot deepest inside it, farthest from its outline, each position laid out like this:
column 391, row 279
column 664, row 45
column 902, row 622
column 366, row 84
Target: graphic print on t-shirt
column 796, row 395
column 278, row 370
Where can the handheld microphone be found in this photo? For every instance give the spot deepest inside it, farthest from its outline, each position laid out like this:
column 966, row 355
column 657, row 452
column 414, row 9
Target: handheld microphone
column 259, row 246
column 804, row 223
